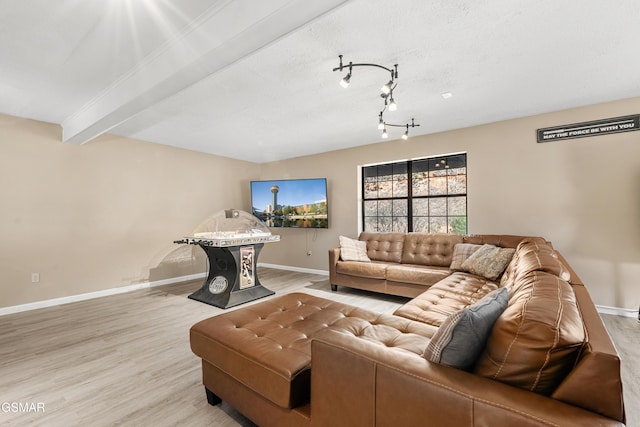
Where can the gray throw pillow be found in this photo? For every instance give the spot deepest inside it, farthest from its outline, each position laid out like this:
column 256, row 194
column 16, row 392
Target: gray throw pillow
column 461, row 338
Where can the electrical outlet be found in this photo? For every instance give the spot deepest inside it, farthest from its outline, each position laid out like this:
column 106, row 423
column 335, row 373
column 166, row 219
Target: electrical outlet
column 35, row 277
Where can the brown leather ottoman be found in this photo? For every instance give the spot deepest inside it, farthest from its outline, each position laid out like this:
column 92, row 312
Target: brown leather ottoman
column 263, row 351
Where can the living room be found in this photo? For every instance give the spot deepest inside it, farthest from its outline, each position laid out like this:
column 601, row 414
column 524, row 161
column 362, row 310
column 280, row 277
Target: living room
column 97, row 219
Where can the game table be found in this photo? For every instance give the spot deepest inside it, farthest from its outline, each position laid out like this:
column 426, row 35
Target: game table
column 232, row 250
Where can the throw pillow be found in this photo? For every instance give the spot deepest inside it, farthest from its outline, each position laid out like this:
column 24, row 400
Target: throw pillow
column 461, row 338
column 489, row 261
column 462, row 251
column 353, row 250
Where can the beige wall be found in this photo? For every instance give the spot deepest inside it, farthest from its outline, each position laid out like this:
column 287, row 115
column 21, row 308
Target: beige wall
column 104, row 214
column 582, row 194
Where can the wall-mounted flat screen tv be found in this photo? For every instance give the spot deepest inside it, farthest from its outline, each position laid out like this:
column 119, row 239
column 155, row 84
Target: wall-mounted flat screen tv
column 295, row 203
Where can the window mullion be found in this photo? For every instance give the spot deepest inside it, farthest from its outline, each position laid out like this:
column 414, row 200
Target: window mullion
column 409, row 196
column 430, row 189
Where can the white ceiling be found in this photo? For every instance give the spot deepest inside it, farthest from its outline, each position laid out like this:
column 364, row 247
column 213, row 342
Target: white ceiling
column 253, row 80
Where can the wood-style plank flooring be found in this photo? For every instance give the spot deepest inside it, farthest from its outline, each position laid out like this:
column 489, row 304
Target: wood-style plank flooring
column 125, row 359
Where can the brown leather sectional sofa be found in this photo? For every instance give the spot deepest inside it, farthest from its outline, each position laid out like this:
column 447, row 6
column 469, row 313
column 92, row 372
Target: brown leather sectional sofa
column 405, row 264
column 300, row 360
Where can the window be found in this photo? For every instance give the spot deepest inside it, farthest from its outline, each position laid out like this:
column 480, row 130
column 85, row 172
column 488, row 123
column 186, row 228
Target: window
column 425, row 195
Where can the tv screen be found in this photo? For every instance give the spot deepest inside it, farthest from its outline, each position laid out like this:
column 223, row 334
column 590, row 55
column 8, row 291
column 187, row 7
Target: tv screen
column 296, row 203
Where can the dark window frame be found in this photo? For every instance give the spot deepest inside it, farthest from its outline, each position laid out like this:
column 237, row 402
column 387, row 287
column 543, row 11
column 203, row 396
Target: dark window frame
column 437, row 175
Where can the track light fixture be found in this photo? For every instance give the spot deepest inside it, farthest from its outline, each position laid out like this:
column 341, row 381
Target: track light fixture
column 387, row 93
column 346, row 80
column 405, row 135
column 389, row 102
column 392, row 104
column 386, row 88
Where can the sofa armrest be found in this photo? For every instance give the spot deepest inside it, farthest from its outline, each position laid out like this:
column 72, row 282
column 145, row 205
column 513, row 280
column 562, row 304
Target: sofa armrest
column 355, row 381
column 334, row 257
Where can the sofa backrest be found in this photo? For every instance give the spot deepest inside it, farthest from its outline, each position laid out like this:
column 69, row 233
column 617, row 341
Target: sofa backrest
column 426, row 248
column 429, row 249
column 502, row 240
column 383, row 246
column 545, row 326
column 541, row 325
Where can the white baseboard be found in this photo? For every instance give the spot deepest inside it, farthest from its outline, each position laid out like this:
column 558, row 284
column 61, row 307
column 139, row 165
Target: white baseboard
column 97, row 294
column 617, row 311
column 291, row 268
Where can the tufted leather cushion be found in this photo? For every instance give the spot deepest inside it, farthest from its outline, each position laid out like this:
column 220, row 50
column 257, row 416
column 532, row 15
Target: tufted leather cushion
column 429, row 249
column 445, row 298
column 372, row 270
column 267, row 346
column 383, row 246
column 416, row 274
column 537, row 339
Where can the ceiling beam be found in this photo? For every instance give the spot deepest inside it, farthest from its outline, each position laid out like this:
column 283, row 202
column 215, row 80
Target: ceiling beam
column 226, row 33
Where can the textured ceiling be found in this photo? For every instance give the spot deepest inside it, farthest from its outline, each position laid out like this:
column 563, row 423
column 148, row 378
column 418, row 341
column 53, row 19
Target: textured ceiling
column 252, row 79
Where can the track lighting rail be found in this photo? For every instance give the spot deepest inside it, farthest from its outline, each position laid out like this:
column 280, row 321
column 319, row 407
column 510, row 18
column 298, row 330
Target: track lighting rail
column 387, row 88
column 387, row 93
column 393, row 71
column 383, row 125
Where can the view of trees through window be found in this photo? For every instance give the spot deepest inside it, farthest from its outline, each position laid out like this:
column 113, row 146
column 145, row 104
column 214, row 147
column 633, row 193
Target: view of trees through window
column 425, row 195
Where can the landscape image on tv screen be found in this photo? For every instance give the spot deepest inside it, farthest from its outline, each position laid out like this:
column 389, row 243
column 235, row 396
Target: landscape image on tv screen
column 297, row 203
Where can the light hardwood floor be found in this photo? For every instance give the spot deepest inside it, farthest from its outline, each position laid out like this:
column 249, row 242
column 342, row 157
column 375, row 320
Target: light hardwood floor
column 125, row 359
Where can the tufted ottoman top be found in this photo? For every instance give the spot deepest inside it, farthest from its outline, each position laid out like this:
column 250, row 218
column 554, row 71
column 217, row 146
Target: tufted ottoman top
column 267, row 346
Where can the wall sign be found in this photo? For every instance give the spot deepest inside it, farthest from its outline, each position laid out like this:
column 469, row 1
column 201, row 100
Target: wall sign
column 593, row 128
